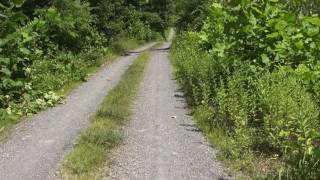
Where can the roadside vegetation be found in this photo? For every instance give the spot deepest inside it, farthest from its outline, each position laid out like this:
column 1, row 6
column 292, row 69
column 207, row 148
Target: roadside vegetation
column 88, row 158
column 250, row 70
column 46, row 46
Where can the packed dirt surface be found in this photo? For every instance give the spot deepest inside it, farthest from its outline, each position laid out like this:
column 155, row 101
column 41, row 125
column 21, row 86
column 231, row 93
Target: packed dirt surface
column 38, row 144
column 162, row 141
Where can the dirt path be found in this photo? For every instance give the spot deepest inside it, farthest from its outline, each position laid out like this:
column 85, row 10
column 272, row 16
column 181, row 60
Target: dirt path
column 162, row 141
column 38, row 144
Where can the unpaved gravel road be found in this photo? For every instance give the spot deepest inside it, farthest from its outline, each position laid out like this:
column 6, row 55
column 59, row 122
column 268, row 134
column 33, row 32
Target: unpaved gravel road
column 162, row 142
column 38, row 144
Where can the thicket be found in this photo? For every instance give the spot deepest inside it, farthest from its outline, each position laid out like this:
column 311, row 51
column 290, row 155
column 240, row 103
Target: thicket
column 252, row 72
column 45, row 45
column 190, row 15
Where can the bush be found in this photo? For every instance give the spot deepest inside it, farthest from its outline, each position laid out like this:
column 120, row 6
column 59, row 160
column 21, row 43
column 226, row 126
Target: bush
column 251, row 71
column 273, row 113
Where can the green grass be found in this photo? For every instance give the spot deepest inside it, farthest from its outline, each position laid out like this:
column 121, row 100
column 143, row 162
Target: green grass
column 249, row 166
column 90, row 155
column 6, row 125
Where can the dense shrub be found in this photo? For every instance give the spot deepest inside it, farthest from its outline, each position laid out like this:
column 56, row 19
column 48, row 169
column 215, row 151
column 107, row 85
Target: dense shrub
column 291, row 121
column 191, row 14
column 254, row 68
column 39, row 57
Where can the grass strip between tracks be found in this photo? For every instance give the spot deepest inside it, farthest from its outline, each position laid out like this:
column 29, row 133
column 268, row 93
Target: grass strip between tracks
column 87, row 159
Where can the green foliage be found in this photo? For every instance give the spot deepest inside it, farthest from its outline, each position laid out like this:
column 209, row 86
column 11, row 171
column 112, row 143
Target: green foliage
column 191, row 14
column 143, row 19
column 254, row 68
column 49, row 44
column 111, row 16
column 291, row 121
column 34, row 55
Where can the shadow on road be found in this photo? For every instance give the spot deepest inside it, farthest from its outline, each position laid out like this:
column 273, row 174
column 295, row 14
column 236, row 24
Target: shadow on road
column 152, row 49
column 161, row 49
column 190, row 127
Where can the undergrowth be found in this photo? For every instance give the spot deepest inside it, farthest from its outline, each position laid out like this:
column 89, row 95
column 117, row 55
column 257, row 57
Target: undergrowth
column 251, row 73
